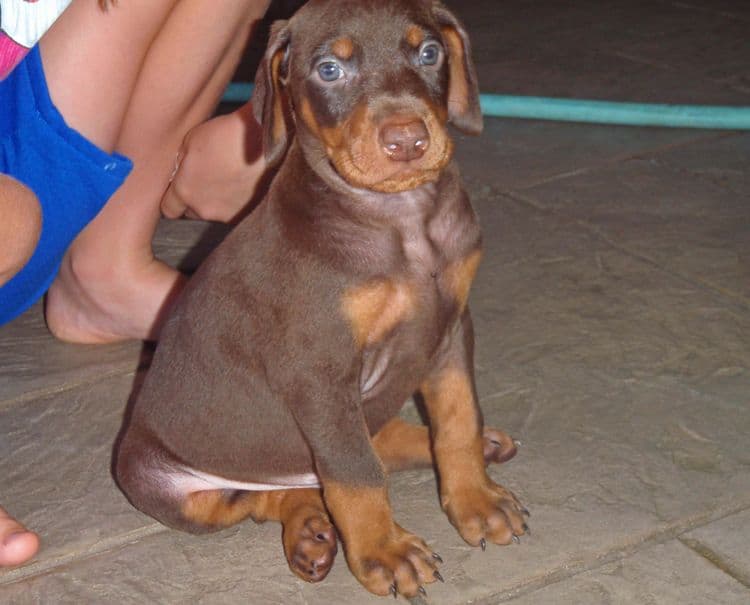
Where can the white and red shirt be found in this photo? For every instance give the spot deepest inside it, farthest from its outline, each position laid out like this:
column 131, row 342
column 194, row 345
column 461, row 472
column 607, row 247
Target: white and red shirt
column 22, row 24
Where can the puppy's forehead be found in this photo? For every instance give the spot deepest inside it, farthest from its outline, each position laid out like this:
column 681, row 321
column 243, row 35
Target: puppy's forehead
column 341, row 26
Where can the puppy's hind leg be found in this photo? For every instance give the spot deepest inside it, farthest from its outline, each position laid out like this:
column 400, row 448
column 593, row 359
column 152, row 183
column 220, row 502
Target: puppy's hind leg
column 155, row 484
column 308, row 536
column 402, row 446
column 158, row 486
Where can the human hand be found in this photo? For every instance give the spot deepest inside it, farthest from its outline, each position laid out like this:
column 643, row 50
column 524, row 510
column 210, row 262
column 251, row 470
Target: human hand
column 217, row 169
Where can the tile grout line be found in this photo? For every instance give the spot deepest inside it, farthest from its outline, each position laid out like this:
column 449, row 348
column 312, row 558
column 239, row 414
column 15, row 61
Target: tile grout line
column 563, row 572
column 671, row 531
column 697, row 8
column 725, row 295
column 121, row 370
column 104, row 546
column 727, row 85
column 619, row 158
column 716, row 560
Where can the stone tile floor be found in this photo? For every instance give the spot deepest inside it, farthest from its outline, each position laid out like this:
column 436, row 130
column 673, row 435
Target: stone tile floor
column 613, row 340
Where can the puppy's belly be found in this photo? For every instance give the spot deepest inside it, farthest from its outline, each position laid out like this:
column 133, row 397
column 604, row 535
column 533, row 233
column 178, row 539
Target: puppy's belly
column 187, row 480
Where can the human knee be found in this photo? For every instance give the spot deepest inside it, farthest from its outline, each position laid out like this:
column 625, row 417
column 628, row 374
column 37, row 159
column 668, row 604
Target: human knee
column 20, row 228
column 257, row 8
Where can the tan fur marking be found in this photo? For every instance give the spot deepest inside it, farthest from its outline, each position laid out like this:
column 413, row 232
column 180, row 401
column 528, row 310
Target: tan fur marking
column 467, row 494
column 375, row 308
column 458, row 92
column 308, row 117
column 212, row 508
column 414, row 36
column 460, row 275
column 339, row 139
column 356, row 154
column 353, row 149
column 343, row 48
column 450, row 397
column 458, row 444
column 333, row 138
column 401, row 445
column 303, row 511
column 279, row 125
column 361, row 514
column 377, row 549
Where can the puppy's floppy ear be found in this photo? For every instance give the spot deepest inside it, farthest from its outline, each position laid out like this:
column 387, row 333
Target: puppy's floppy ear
column 270, row 99
column 463, row 92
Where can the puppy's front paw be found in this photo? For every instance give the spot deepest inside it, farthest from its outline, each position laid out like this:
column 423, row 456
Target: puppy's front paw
column 485, row 512
column 397, row 563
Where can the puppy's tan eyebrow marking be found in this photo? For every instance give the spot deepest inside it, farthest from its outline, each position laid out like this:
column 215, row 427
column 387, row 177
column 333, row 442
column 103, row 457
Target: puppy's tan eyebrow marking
column 343, row 48
column 415, row 36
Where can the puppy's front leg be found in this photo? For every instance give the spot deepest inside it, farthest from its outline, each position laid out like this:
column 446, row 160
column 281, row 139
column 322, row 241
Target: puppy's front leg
column 383, row 556
column 480, row 509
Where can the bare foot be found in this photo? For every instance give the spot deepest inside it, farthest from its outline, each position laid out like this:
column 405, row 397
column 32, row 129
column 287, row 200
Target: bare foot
column 95, row 303
column 17, row 544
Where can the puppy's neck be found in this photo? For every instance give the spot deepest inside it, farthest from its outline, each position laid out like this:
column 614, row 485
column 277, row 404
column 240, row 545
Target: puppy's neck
column 362, row 230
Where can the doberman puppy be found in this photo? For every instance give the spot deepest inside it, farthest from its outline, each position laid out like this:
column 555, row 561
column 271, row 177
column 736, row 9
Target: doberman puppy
column 275, row 388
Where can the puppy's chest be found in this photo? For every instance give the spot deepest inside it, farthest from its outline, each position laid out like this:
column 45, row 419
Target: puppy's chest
column 398, row 321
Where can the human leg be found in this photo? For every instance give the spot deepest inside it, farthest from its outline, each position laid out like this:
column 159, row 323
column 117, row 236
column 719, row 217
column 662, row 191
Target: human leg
column 113, row 117
column 65, row 178
column 20, row 227
column 92, row 59
column 110, row 286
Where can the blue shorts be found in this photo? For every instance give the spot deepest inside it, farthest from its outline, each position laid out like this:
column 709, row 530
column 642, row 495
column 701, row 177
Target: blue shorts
column 72, row 178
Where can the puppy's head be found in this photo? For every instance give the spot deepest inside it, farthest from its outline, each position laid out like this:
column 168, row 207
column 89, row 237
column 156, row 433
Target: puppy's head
column 369, row 87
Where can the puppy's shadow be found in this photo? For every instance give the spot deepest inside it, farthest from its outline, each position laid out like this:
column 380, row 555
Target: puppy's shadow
column 144, row 363
column 195, row 242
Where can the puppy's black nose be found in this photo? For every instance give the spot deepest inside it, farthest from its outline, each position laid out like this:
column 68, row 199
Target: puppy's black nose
column 404, row 140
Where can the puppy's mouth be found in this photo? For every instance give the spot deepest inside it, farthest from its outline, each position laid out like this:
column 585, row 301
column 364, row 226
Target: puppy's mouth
column 399, row 160
column 398, row 152
column 385, row 176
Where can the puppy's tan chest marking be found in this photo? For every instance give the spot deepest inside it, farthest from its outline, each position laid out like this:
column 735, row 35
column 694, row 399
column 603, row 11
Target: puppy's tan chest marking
column 373, row 309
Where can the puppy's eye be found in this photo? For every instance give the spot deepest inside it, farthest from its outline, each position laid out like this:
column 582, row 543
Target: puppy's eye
column 429, row 53
column 330, row 71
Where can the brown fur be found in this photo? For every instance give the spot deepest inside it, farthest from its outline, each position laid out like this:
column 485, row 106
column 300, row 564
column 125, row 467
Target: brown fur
column 295, row 344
